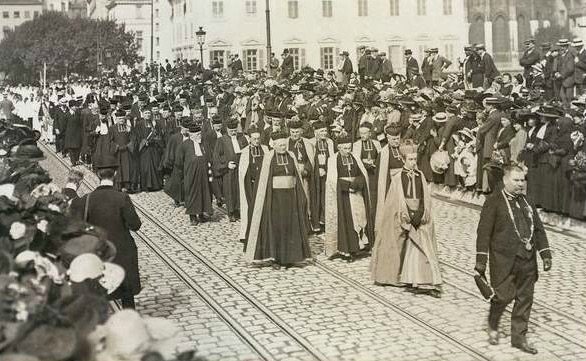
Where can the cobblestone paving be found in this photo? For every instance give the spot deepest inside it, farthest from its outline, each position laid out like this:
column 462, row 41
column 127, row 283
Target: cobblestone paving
column 334, row 306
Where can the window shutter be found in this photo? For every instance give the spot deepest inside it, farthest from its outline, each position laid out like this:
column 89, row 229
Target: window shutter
column 334, row 58
column 226, row 58
column 244, row 65
column 211, row 57
column 261, row 59
column 301, row 57
column 321, row 58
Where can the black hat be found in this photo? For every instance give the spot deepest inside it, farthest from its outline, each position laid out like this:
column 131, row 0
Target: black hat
column 104, row 110
column 279, row 135
column 232, row 124
column 194, row 127
column 26, row 152
column 120, row 113
column 185, row 122
column 254, row 129
column 295, row 124
column 344, row 140
column 319, row 125
column 366, row 125
column 548, row 111
column 216, row 119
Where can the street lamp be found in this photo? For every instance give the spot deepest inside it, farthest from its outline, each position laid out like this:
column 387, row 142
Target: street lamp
column 201, row 39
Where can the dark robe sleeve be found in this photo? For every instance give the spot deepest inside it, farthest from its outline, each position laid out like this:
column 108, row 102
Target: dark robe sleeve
column 485, row 228
column 129, row 214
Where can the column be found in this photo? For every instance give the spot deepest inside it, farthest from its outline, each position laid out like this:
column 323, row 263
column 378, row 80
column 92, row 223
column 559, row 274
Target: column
column 514, row 42
column 488, row 36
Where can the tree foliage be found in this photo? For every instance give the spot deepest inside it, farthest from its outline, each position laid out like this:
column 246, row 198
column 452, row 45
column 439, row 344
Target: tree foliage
column 65, row 45
column 552, row 34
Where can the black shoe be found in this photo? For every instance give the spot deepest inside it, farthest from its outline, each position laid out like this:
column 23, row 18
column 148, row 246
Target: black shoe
column 232, row 219
column 176, row 204
column 334, row 256
column 193, row 220
column 203, row 218
column 525, row 347
column 275, row 265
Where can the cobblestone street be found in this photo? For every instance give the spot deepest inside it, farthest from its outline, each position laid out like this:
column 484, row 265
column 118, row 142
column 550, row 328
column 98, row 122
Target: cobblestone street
column 331, row 310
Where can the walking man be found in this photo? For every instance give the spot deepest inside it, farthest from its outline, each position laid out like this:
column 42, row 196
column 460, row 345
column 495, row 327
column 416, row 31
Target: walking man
column 510, row 235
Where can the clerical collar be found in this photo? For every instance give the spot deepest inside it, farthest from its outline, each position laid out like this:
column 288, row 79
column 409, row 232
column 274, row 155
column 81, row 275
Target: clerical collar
column 71, row 186
column 106, row 183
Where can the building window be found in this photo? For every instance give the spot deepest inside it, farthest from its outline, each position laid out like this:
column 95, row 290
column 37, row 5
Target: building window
column 27, row 14
column 293, row 6
column 51, row 7
column 218, row 9
column 62, row 6
column 156, row 26
column 327, row 58
column 36, row 14
column 5, row 15
column 362, row 7
column 449, row 51
column 157, row 41
column 298, row 56
column 448, row 7
column 158, row 55
column 327, row 11
column 251, row 7
column 218, row 55
column 421, row 7
column 139, row 40
column 395, row 7
column 251, row 59
column 17, row 14
column 157, row 13
column 139, row 11
column 396, row 56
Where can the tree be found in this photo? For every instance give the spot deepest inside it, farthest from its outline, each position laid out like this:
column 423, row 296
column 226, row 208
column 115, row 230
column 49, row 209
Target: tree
column 552, row 34
column 66, row 46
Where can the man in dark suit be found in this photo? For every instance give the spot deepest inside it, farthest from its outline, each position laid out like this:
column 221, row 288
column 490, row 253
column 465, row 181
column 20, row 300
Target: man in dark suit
column 566, row 72
column 487, row 66
column 411, row 65
column 236, row 65
column 485, row 139
column 509, row 236
column 529, row 58
column 287, row 66
column 580, row 65
column 114, row 212
column 74, row 179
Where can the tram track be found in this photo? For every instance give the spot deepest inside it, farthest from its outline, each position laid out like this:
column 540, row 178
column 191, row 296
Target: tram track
column 249, row 339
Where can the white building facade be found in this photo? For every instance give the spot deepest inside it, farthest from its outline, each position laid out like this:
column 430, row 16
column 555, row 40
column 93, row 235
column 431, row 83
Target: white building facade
column 15, row 12
column 315, row 31
column 136, row 16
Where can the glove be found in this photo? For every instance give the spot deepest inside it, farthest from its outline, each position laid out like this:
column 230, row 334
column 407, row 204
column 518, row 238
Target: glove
column 480, row 267
column 546, row 264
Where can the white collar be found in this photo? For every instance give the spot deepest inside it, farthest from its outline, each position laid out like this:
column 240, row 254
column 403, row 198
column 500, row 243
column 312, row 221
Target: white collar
column 71, row 186
column 106, row 182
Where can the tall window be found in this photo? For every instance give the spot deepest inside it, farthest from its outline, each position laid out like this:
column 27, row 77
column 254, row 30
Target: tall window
column 293, row 6
column 362, row 7
column 5, row 14
column 17, row 14
column 218, row 9
column 449, row 51
column 298, row 56
column 156, row 26
column 448, row 7
column 327, row 10
column 396, row 56
column 218, row 55
column 62, row 6
column 157, row 41
column 157, row 13
column 421, row 7
column 139, row 40
column 394, row 8
column 158, row 55
column 251, row 7
column 251, row 59
column 27, row 14
column 327, row 58
column 138, row 11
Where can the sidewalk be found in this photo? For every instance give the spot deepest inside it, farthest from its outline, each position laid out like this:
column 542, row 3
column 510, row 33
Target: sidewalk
column 553, row 220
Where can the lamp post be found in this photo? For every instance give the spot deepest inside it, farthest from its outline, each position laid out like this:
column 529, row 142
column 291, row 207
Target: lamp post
column 201, row 39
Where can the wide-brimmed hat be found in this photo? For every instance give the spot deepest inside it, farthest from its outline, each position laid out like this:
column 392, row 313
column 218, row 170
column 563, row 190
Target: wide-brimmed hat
column 548, row 111
column 440, row 117
column 87, row 243
column 90, row 266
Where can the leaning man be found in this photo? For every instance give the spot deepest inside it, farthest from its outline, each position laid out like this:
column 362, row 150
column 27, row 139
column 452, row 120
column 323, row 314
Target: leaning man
column 510, row 234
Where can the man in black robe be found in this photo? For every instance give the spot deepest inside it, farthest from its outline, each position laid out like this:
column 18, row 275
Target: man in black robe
column 225, row 162
column 72, row 138
column 349, row 221
column 248, row 173
column 279, row 222
column 324, row 149
column 194, row 171
column 173, row 186
column 150, row 152
column 210, row 136
column 120, row 132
